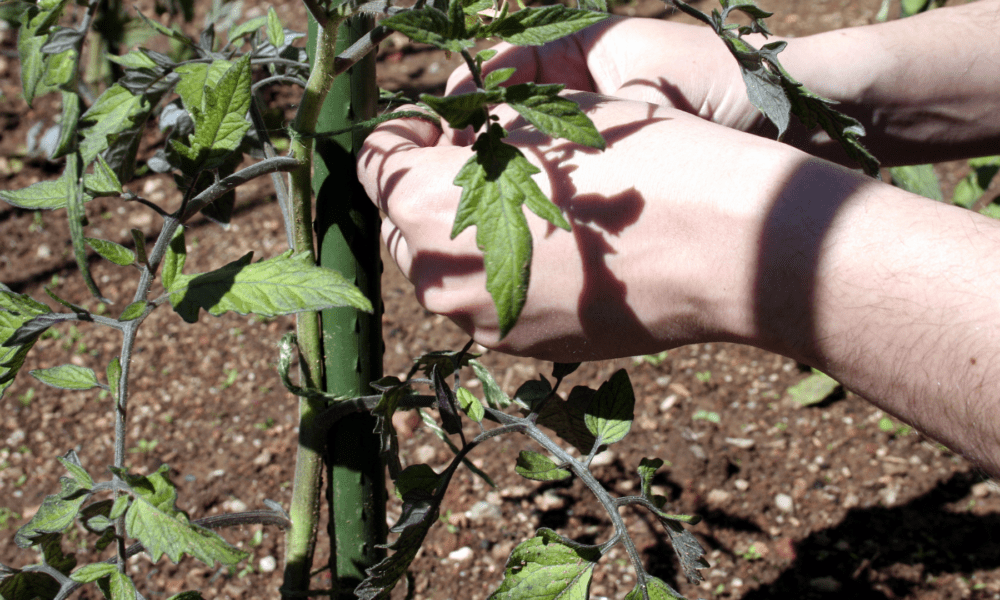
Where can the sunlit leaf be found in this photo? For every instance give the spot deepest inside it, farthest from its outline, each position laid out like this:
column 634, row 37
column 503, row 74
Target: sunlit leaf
column 532, row 465
column 647, row 469
column 55, row 514
column 536, row 26
column 546, row 567
column 609, row 414
column 275, row 28
column 495, row 397
column 813, row 389
column 917, row 179
column 49, row 194
column 470, row 405
column 93, row 572
column 112, row 251
column 286, row 284
column 67, row 377
column 657, row 590
column 133, row 311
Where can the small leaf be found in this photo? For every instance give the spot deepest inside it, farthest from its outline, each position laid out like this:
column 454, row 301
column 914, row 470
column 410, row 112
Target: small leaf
column 561, row 370
column 275, row 28
column 72, row 464
column 114, row 373
column 121, row 587
column 55, row 514
column 493, row 79
column 706, row 415
column 533, row 391
column 609, row 414
column 103, row 181
column 67, row 125
column 462, row 110
column 281, row 285
column 117, row 110
column 450, row 420
column 495, row 397
column 431, row 26
column 247, row 27
column 42, row 195
column 918, row 179
column 972, row 187
column 417, row 477
column 545, row 567
column 566, row 418
column 133, row 311
column 656, row 588
column 553, row 115
column 111, row 251
column 537, row 26
column 154, row 520
column 76, row 215
column 444, row 360
column 139, row 239
column 532, row 465
column 813, row 389
column 119, row 507
column 173, row 260
column 93, row 572
column 470, row 405
column 67, row 377
column 222, row 122
column 647, row 469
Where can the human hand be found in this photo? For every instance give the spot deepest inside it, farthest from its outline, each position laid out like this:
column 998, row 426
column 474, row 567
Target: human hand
column 660, row 62
column 661, row 244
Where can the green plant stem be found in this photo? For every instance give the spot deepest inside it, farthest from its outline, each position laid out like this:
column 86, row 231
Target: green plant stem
column 300, row 543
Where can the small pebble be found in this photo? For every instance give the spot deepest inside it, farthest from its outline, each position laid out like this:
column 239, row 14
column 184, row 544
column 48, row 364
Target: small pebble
column 483, row 511
column 604, row 459
column 462, row 554
column 717, row 497
column 741, row 485
column 268, row 564
column 742, row 443
column 784, row 502
column 698, row 451
column 825, row 584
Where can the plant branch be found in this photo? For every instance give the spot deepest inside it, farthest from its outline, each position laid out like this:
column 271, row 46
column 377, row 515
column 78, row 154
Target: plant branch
column 224, row 185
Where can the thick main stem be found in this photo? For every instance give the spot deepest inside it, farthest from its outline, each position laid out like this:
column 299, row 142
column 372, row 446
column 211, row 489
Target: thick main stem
column 300, row 543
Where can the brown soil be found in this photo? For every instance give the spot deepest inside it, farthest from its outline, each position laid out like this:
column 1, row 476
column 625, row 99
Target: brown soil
column 873, row 514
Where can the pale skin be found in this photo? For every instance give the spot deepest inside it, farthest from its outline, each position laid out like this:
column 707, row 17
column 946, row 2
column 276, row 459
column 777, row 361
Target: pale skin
column 689, row 229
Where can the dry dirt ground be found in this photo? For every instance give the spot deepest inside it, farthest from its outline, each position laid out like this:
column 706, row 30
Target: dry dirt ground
column 807, row 502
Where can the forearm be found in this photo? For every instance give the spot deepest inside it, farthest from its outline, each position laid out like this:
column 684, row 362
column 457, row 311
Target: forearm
column 925, row 88
column 891, row 294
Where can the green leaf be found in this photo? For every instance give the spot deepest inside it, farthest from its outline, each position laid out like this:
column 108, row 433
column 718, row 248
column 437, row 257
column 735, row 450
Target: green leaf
column 470, row 405
column 16, row 584
column 566, row 418
column 656, row 588
column 450, row 421
column 462, row 110
column 116, row 111
column 114, row 374
column 67, row 377
column 609, row 414
column 155, row 521
column 533, row 391
column 417, row 477
column 195, row 77
column 537, row 26
column 121, row 587
column 76, row 215
column 55, row 514
column 444, row 360
column 247, row 27
column 917, row 179
column 972, row 187
column 50, row 194
column 67, row 124
column 687, row 548
column 495, row 397
column 275, row 28
column 93, row 572
column 706, row 415
column 495, row 183
column 114, row 252
column 561, row 370
column 136, row 59
column 133, row 311
column 282, row 285
column 221, row 122
column 72, row 464
column 532, row 465
column 546, row 567
column 647, row 470
column 173, row 260
column 493, row 79
column 553, row 115
column 813, row 389
column 103, row 181
column 119, row 507
column 431, row 26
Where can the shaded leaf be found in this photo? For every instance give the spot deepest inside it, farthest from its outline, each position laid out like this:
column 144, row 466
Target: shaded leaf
column 543, row 107
column 561, row 370
column 444, row 360
column 647, row 469
column 417, row 477
column 174, row 258
column 430, row 25
column 533, row 391
column 114, row 373
column 93, row 572
column 450, row 420
column 566, row 418
column 55, row 514
column 133, row 311
column 972, row 187
column 50, row 194
column 286, row 284
column 532, row 465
